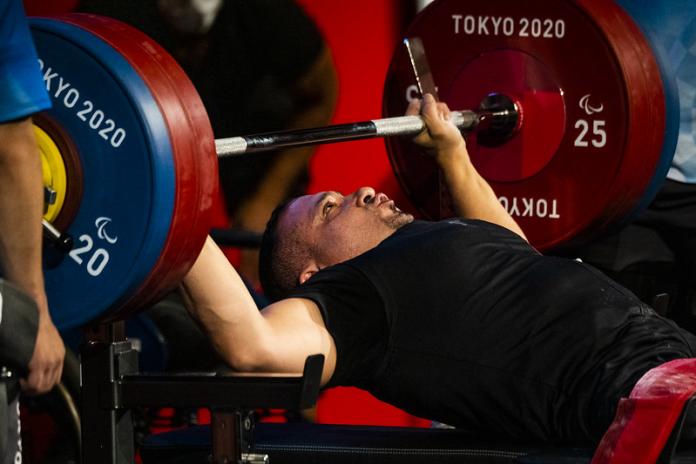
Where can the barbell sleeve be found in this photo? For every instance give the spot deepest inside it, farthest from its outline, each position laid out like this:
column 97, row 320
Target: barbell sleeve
column 403, row 125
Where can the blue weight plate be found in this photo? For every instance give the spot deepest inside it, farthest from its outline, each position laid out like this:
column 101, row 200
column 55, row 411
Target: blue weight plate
column 123, row 220
column 665, row 23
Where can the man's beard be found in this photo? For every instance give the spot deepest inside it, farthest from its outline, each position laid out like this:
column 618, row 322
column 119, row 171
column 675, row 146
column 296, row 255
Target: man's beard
column 399, row 219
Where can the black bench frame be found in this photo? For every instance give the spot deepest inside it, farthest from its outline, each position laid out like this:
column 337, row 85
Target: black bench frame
column 112, row 385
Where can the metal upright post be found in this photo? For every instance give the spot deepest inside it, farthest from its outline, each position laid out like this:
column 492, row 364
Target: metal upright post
column 107, row 430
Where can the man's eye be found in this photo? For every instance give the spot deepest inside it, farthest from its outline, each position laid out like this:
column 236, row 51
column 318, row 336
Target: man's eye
column 327, row 207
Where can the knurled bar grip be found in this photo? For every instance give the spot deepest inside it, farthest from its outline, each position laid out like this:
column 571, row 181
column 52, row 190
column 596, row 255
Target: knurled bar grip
column 403, row 125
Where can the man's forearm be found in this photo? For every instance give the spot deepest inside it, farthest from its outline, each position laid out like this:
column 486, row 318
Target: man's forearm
column 21, row 208
column 472, row 196
column 216, row 296
column 279, row 339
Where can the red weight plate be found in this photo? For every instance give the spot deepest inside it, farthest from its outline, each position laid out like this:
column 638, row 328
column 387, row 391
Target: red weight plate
column 194, row 156
column 543, row 118
column 593, row 110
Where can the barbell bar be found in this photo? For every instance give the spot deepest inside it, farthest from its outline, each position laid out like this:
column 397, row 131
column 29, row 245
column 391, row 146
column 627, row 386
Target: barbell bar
column 497, row 118
column 497, row 121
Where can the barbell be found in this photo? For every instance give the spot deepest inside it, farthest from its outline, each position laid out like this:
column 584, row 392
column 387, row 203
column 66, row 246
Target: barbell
column 136, row 147
column 503, row 115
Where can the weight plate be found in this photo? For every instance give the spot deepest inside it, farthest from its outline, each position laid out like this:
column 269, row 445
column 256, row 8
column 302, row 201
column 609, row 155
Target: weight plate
column 593, row 120
column 193, row 152
column 131, row 183
column 670, row 27
column 72, row 194
column 54, row 174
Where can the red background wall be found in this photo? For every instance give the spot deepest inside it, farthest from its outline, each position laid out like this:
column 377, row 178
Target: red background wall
column 362, row 35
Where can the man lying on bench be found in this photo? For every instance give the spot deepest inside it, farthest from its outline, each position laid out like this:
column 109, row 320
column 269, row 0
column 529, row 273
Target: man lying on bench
column 460, row 321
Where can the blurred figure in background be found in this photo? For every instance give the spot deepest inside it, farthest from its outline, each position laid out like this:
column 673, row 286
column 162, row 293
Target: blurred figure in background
column 656, row 253
column 258, row 66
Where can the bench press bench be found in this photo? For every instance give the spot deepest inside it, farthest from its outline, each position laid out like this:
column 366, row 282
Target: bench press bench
column 647, row 428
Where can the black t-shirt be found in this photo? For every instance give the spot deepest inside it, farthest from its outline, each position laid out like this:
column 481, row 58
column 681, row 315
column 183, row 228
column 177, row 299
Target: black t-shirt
column 463, row 322
column 243, row 69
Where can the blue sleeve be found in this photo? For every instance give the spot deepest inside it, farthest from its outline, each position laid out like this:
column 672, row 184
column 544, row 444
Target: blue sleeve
column 22, row 91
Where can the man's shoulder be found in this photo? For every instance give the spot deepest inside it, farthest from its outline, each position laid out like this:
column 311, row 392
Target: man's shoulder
column 22, row 89
column 415, row 229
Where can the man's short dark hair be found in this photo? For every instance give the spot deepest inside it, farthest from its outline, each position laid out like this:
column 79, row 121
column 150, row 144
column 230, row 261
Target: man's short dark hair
column 280, row 257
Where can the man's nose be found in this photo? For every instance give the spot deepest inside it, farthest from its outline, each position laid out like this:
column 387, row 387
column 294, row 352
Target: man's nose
column 364, row 195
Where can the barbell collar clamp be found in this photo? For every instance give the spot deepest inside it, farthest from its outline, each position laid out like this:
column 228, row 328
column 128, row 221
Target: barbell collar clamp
column 62, row 241
column 50, row 195
column 500, row 117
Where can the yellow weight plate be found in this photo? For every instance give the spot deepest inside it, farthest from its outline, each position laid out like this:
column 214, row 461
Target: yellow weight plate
column 53, row 172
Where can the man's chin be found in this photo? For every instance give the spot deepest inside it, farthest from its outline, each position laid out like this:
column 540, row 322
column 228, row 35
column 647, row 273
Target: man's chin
column 400, row 219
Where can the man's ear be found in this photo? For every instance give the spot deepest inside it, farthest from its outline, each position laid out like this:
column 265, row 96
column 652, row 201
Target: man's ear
column 308, row 272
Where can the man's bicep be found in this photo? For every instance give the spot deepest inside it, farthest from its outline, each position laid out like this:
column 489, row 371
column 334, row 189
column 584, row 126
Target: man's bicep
column 297, row 330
